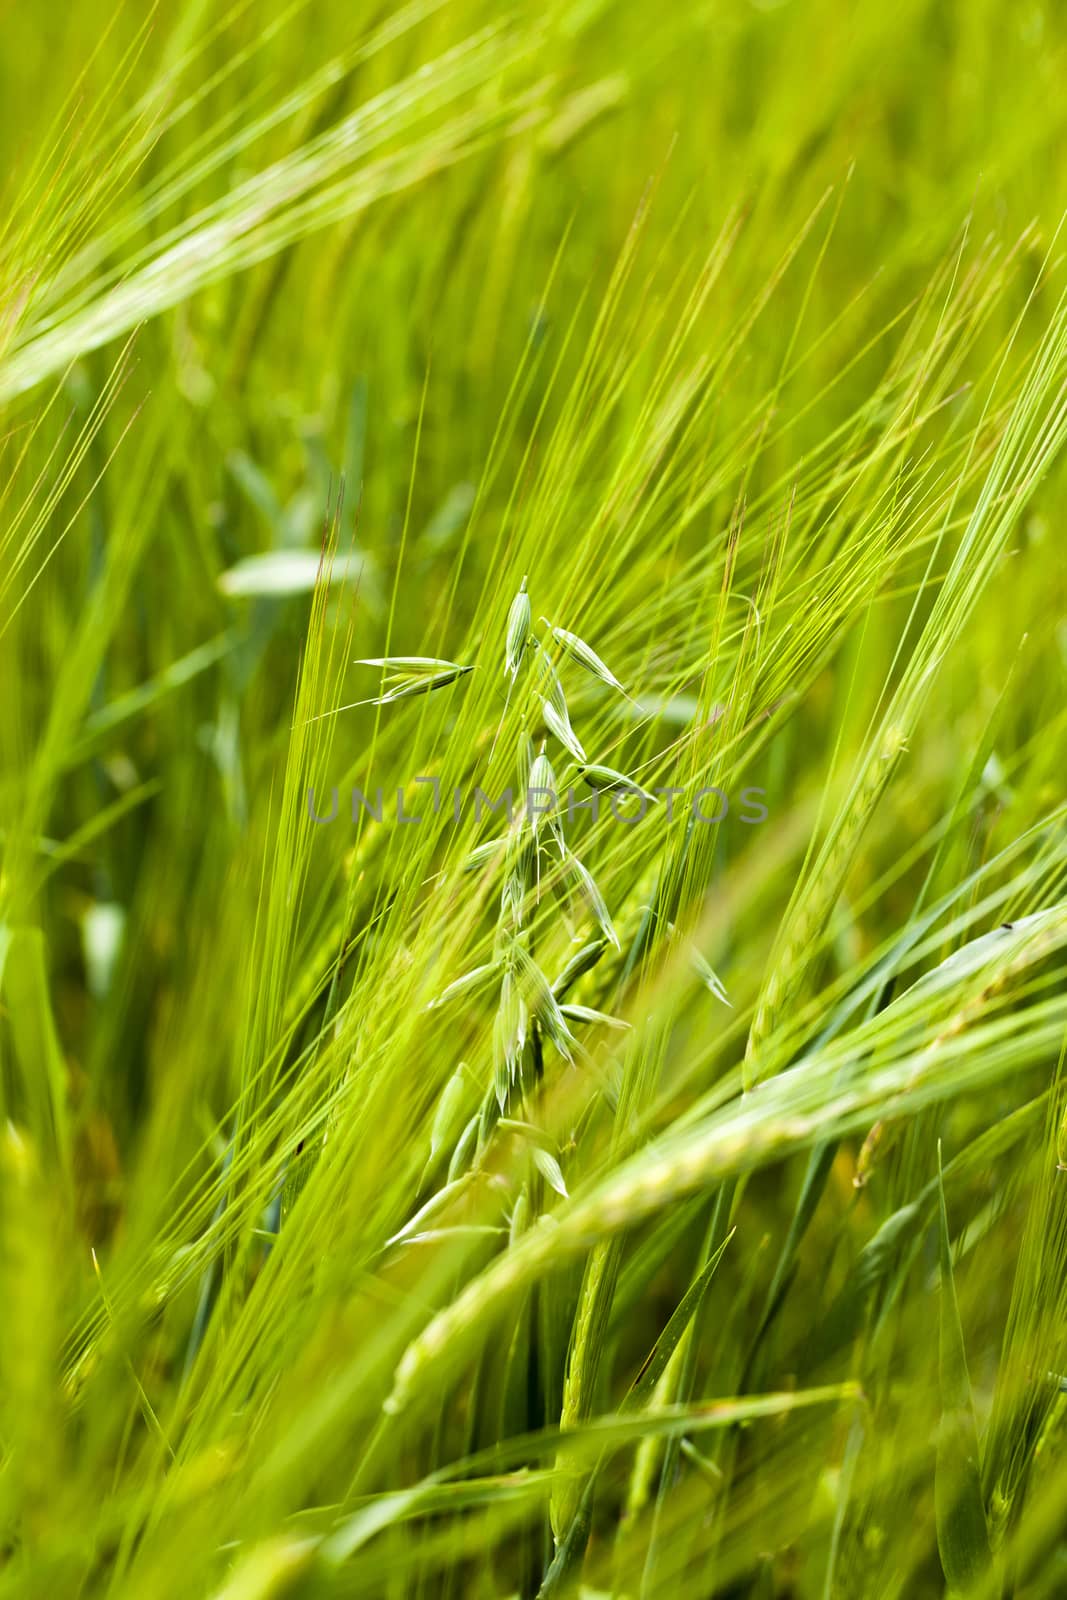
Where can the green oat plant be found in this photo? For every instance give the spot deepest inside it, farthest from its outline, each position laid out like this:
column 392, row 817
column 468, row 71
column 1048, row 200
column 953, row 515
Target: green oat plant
column 533, row 847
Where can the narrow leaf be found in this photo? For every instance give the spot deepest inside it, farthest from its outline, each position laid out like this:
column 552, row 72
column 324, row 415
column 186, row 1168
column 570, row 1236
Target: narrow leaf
column 641, row 1389
column 962, row 1532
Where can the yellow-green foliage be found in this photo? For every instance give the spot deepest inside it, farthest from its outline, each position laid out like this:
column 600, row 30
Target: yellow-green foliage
column 659, row 1191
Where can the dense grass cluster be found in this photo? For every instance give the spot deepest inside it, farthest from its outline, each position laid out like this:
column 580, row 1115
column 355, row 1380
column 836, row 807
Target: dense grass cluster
column 654, row 1187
